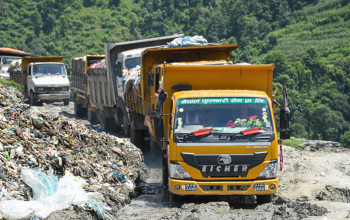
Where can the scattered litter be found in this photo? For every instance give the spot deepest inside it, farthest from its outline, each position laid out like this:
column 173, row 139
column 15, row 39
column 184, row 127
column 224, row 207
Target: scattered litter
column 314, row 181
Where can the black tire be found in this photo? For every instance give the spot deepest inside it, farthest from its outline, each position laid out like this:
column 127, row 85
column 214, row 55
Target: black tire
column 165, row 170
column 174, row 198
column 66, row 102
column 262, row 199
column 107, row 124
column 136, row 136
column 126, row 125
column 78, row 109
column 91, row 115
column 32, row 99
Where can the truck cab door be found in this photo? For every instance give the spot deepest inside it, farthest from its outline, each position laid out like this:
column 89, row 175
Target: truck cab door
column 120, row 89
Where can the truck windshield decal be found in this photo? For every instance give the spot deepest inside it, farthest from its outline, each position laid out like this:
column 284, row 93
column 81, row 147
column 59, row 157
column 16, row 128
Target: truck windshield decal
column 222, row 115
column 221, row 101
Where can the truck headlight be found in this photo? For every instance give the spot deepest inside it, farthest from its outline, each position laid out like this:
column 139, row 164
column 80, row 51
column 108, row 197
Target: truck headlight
column 176, row 171
column 270, row 171
column 38, row 89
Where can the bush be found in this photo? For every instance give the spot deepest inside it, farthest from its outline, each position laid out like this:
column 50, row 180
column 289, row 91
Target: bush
column 345, row 139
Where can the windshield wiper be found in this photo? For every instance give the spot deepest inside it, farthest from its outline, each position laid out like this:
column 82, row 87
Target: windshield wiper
column 251, row 131
column 200, row 132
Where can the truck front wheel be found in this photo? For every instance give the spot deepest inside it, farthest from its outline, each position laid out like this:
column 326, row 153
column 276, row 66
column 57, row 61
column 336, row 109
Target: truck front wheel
column 32, row 99
column 262, row 199
column 165, row 169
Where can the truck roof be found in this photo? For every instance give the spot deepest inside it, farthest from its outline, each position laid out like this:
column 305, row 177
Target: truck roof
column 29, row 59
column 12, row 52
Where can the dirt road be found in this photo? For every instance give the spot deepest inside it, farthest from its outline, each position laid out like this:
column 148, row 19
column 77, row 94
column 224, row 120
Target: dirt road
column 313, row 185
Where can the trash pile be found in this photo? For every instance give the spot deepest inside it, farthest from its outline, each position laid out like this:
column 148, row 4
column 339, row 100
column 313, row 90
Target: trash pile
column 54, row 145
column 314, row 145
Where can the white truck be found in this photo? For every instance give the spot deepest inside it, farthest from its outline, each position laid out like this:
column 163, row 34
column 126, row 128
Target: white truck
column 42, row 79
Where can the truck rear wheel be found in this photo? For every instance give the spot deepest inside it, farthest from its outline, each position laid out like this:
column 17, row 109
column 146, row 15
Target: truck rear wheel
column 107, row 124
column 66, row 102
column 91, row 115
column 126, row 125
column 262, row 199
column 78, row 110
column 136, row 136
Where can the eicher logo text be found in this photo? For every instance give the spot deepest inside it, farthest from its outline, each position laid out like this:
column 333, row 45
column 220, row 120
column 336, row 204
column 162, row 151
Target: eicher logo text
column 223, row 168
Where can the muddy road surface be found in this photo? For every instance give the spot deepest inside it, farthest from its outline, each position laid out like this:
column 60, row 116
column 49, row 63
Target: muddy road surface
column 314, row 184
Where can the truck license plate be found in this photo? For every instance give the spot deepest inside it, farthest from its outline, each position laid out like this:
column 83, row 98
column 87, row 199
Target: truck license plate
column 190, row 187
column 260, row 187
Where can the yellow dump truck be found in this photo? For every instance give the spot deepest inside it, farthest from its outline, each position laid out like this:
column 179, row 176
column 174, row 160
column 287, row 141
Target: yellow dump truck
column 213, row 119
column 42, row 79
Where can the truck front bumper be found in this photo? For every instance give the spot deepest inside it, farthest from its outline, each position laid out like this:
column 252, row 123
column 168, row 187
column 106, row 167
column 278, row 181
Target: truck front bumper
column 257, row 187
column 53, row 96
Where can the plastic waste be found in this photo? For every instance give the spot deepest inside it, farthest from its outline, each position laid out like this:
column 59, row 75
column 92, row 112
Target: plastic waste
column 188, row 41
column 50, row 195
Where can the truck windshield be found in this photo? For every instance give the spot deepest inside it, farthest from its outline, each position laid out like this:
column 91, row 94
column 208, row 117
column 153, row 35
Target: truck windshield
column 132, row 62
column 223, row 115
column 48, row 69
column 6, row 61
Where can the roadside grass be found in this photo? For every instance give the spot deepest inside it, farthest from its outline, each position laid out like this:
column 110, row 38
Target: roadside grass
column 292, row 142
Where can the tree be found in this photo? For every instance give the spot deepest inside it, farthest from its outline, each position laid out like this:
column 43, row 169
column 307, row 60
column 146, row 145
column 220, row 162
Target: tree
column 280, row 61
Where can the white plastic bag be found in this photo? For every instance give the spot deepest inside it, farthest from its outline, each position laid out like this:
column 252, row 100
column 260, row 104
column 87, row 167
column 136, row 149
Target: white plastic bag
column 49, row 195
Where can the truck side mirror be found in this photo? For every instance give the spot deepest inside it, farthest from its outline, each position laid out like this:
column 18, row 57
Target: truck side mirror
column 284, row 124
column 150, row 79
column 284, row 116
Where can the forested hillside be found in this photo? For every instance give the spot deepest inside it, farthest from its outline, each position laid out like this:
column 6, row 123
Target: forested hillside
column 308, row 40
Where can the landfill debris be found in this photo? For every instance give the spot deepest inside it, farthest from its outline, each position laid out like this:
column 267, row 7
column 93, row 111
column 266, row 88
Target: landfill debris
column 58, row 145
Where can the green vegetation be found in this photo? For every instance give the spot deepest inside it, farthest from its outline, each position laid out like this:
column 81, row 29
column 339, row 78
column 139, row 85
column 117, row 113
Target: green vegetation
column 292, row 142
column 308, row 40
column 10, row 83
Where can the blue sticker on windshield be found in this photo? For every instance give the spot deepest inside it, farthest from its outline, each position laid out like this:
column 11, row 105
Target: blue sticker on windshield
column 268, row 124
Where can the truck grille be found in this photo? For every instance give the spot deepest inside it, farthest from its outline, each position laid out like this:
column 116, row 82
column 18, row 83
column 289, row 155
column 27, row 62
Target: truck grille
column 211, row 187
column 52, row 89
column 237, row 187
